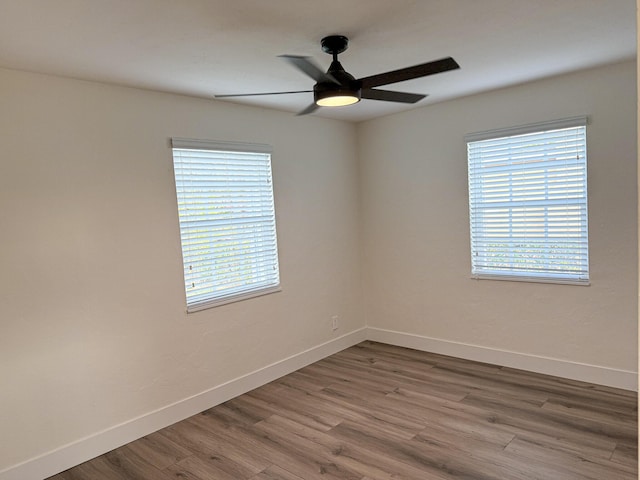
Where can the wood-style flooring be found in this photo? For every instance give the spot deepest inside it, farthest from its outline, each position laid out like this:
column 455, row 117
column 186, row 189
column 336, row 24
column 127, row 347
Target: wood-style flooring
column 376, row 411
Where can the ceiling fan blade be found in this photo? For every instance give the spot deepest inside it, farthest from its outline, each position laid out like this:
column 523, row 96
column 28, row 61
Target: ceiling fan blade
column 311, row 108
column 389, row 96
column 258, row 94
column 409, row 73
column 308, row 66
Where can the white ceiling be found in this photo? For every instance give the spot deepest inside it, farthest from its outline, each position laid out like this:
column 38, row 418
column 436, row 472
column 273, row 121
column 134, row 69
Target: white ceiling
column 209, row 47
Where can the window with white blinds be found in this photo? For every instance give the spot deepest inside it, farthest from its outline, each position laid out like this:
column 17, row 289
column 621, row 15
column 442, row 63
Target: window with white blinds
column 227, row 221
column 528, row 202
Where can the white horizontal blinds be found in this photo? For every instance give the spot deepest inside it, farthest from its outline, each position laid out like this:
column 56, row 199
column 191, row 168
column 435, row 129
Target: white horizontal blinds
column 227, row 222
column 528, row 205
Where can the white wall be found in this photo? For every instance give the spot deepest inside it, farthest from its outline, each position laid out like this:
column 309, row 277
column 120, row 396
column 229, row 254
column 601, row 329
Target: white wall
column 416, row 256
column 93, row 330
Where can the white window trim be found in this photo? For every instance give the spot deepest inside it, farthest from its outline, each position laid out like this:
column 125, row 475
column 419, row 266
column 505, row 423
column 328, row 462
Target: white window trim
column 193, row 144
column 232, row 299
column 578, row 121
column 569, row 122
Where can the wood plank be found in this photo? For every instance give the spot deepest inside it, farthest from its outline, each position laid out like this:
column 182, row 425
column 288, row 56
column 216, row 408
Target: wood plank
column 274, row 472
column 205, row 467
column 159, row 450
column 194, row 435
column 436, row 460
column 354, row 457
column 297, row 402
column 127, row 464
column 383, row 377
column 627, row 455
column 569, row 425
column 591, row 411
column 591, row 468
column 278, row 408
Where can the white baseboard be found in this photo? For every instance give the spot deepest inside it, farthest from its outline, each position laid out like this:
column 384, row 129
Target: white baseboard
column 611, row 377
column 87, row 448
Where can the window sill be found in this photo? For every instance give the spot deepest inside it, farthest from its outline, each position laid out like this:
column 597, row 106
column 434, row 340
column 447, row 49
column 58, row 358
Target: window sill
column 232, row 299
column 557, row 281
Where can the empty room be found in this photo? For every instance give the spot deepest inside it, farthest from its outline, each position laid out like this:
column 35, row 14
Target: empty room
column 295, row 240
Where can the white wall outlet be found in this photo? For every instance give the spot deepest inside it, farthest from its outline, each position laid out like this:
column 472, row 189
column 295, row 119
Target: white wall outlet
column 334, row 322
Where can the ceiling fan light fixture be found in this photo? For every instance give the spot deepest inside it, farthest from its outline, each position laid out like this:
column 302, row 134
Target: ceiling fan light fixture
column 337, row 101
column 336, row 97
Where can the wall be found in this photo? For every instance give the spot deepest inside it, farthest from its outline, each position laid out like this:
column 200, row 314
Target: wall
column 93, row 330
column 93, row 335
column 416, row 259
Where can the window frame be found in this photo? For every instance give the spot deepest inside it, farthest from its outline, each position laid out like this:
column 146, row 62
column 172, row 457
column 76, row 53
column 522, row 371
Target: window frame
column 269, row 231
column 582, row 277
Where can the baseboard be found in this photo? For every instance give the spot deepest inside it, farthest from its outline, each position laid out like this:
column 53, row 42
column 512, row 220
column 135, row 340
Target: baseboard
column 87, row 448
column 611, row 377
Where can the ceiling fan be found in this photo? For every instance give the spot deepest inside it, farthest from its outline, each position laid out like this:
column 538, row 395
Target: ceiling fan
column 337, row 88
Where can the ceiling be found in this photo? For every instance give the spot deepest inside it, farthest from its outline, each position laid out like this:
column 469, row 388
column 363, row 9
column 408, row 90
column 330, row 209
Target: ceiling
column 211, row 47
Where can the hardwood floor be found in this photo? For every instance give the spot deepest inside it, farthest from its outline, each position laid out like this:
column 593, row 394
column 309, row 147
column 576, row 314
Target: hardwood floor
column 376, row 411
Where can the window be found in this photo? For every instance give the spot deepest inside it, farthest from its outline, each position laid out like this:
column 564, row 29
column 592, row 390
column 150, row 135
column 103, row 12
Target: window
column 227, row 221
column 528, row 202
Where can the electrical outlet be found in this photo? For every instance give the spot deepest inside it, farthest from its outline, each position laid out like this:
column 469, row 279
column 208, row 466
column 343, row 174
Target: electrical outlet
column 334, row 322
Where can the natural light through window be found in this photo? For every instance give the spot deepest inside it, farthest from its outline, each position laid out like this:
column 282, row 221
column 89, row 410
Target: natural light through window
column 227, row 221
column 528, row 202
